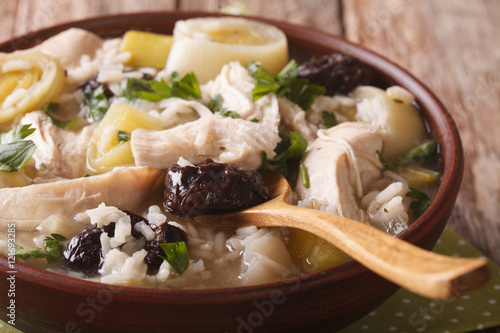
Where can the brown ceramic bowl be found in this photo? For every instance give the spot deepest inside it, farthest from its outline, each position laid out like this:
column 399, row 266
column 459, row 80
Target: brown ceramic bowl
column 332, row 298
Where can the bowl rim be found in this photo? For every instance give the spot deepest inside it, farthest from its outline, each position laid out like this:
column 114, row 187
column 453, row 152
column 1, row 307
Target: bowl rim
column 445, row 130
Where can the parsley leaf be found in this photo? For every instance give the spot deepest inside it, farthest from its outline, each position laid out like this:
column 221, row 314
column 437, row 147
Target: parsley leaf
column 123, row 136
column 426, row 152
column 217, row 108
column 97, row 102
column 176, row 255
column 185, row 87
column 290, row 149
column 303, row 94
column 52, row 253
column 51, row 107
column 329, row 119
column 16, row 134
column 14, row 152
column 264, row 81
column 422, row 201
column 285, row 84
column 155, row 91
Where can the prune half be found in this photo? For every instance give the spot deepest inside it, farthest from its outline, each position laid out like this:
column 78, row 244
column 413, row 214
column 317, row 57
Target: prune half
column 338, row 73
column 83, row 253
column 211, row 187
column 166, row 233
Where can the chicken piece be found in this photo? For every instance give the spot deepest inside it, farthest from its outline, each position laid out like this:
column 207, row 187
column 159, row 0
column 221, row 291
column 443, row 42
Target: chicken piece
column 124, row 188
column 293, row 118
column 342, row 163
column 59, row 153
column 70, row 45
column 235, row 85
column 223, row 139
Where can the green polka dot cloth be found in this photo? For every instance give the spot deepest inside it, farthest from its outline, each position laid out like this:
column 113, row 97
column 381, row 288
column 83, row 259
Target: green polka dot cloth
column 407, row 312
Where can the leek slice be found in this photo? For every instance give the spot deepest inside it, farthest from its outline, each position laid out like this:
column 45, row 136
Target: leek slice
column 417, row 176
column 28, row 81
column 204, row 45
column 312, row 253
column 147, row 49
column 106, row 151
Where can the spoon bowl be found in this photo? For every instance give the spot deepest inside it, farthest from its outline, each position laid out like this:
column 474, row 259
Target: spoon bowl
column 425, row 273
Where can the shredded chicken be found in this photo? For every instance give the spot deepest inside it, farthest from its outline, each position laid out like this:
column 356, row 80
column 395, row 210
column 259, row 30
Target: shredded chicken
column 341, row 163
column 224, row 139
column 29, row 205
column 59, row 153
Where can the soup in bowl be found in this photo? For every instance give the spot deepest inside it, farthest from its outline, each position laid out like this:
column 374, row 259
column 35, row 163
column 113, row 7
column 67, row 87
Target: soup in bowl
column 128, row 146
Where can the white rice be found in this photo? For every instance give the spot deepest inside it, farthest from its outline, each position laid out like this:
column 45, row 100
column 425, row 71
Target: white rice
column 249, row 256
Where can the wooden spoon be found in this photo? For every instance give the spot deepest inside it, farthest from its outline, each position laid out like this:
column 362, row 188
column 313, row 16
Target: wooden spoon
column 425, row 273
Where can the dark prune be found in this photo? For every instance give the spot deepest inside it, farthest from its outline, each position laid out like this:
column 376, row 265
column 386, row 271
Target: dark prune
column 134, row 219
column 210, row 186
column 338, row 73
column 83, row 253
column 166, row 233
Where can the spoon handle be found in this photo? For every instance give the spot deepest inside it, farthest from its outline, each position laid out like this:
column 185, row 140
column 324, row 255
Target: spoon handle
column 425, row 273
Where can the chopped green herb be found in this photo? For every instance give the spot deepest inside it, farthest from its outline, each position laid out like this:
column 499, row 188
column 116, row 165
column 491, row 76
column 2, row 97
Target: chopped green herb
column 185, row 87
column 16, row 134
column 389, row 165
column 52, row 253
column 426, row 152
column 288, row 74
column 290, row 149
column 264, row 81
column 329, row 119
column 422, row 200
column 123, row 136
column 217, row 108
column 304, row 175
column 52, row 107
column 303, row 94
column 97, row 102
column 14, row 152
column 254, row 120
column 176, row 255
column 155, row 91
column 138, row 88
column 285, row 84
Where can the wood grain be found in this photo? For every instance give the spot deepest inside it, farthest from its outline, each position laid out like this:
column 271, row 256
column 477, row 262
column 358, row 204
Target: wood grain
column 450, row 48
column 425, row 273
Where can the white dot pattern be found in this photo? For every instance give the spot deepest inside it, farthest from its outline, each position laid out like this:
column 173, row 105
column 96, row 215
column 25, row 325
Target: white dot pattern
column 411, row 313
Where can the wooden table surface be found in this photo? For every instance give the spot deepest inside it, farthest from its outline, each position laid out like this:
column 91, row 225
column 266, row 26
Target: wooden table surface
column 451, row 46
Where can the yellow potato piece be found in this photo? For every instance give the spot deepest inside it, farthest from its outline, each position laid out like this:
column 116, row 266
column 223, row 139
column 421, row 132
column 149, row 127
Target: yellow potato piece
column 417, row 176
column 204, row 45
column 147, row 49
column 28, row 81
column 105, row 151
column 313, row 253
column 400, row 121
